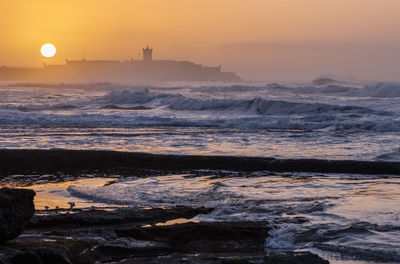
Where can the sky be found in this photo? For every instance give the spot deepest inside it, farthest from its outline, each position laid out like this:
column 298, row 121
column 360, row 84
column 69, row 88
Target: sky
column 258, row 39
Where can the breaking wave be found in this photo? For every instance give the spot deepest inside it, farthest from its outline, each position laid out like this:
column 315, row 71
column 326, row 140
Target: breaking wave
column 332, row 88
column 392, row 156
column 36, row 108
column 319, row 212
column 383, row 90
column 116, row 107
column 320, row 86
column 256, row 105
column 376, row 90
column 383, row 256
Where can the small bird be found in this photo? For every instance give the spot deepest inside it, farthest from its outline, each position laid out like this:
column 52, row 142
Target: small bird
column 71, row 205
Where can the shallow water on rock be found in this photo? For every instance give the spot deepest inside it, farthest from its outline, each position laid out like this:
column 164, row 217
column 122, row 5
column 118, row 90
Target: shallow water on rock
column 55, row 194
column 347, row 218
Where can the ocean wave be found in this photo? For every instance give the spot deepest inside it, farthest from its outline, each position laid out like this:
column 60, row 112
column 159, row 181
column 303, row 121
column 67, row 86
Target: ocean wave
column 116, row 107
column 392, row 156
column 327, row 90
column 138, row 192
column 256, row 105
column 372, row 125
column 157, row 107
column 38, row 108
column 85, row 119
column 337, row 237
column 368, row 254
column 230, row 88
column 376, row 90
column 137, row 116
column 382, row 90
column 283, row 236
column 324, row 87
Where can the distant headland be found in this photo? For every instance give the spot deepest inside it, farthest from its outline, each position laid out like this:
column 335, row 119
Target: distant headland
column 131, row 70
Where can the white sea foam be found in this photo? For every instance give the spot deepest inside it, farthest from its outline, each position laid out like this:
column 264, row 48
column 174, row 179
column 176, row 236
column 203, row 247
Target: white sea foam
column 349, row 118
column 384, row 90
column 357, row 217
column 253, row 106
column 392, row 156
column 377, row 90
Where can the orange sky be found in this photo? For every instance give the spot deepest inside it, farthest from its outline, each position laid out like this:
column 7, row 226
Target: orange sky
column 259, row 39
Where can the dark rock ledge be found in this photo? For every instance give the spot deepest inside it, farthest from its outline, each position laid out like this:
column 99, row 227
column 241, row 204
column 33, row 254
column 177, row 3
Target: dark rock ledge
column 134, row 235
column 78, row 161
column 16, row 208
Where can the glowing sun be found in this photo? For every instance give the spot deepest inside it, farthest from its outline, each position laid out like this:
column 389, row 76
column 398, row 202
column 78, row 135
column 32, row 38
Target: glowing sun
column 48, row 50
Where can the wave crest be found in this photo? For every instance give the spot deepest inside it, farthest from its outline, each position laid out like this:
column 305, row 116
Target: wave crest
column 258, row 106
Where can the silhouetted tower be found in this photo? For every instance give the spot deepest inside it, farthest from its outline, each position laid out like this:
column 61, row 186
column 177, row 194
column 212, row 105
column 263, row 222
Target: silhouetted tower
column 147, row 54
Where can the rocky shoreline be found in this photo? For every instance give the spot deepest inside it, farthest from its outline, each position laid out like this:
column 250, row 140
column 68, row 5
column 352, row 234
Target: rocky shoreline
column 132, row 235
column 137, row 234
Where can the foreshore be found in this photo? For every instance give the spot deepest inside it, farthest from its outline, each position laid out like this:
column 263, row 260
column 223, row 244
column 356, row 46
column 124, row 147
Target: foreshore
column 134, row 234
column 157, row 235
column 168, row 234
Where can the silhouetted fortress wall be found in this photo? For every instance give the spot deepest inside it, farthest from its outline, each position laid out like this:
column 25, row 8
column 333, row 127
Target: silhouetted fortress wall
column 19, row 74
column 112, row 70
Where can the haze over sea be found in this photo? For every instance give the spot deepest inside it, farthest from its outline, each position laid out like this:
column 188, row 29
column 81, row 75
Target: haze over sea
column 198, row 132
column 325, row 119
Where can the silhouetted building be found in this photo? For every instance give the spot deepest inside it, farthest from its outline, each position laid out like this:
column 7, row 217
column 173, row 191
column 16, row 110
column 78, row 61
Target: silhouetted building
column 120, row 71
column 147, row 54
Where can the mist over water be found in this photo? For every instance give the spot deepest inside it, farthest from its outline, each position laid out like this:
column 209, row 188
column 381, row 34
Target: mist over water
column 326, row 119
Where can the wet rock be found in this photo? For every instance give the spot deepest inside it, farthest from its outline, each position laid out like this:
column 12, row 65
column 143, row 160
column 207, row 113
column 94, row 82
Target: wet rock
column 38, row 256
column 213, row 243
column 51, row 255
column 154, row 243
column 205, row 237
column 16, row 208
column 294, row 258
column 117, row 216
column 26, row 257
column 127, row 247
column 179, row 258
column 132, row 235
column 76, row 161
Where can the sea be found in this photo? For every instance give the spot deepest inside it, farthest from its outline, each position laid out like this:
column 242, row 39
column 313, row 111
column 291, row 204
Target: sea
column 348, row 218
